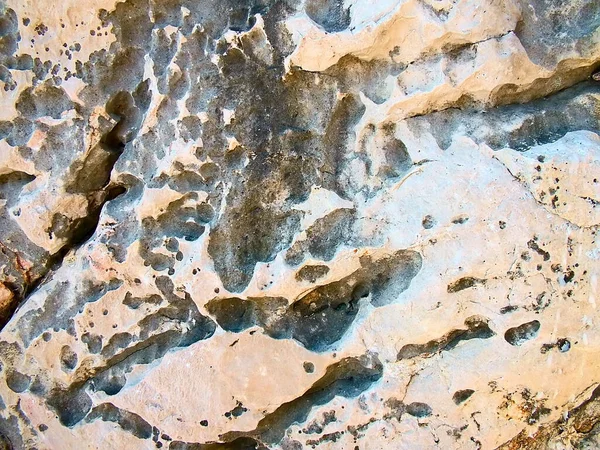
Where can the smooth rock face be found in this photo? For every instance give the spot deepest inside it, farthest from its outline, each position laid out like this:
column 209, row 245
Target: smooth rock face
column 232, row 224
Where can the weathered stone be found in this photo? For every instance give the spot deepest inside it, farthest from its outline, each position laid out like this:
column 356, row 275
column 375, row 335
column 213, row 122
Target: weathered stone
column 252, row 224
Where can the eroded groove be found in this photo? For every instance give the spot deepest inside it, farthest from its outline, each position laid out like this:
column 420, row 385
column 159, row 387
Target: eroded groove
column 538, row 121
column 89, row 176
column 347, row 378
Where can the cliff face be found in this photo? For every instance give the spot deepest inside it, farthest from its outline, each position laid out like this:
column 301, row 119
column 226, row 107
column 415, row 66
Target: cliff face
column 299, row 224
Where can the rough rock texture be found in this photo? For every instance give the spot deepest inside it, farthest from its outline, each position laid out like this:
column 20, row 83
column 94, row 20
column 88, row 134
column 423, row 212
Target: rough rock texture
column 244, row 224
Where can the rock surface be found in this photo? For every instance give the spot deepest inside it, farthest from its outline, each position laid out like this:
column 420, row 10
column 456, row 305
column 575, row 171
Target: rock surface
column 285, row 224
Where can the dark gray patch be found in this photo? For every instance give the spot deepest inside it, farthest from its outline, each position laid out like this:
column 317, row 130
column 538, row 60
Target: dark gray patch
column 397, row 409
column 16, row 381
column 116, row 343
column 524, row 332
column 540, row 121
column 462, row 395
column 20, row 133
column 329, row 14
column 44, row 100
column 325, row 236
column 11, row 436
column 93, row 342
column 508, row 309
column 464, row 283
column 68, row 358
column 346, row 378
column 533, row 245
column 311, row 273
column 128, row 421
column 177, row 221
column 428, row 222
column 397, row 159
column 549, row 27
column 71, row 405
column 135, row 302
column 322, row 316
column 460, row 220
column 62, row 303
column 257, row 242
column 419, row 410
column 177, row 324
column 477, row 328
column 308, row 367
column 317, row 427
column 237, row 411
column 241, row 443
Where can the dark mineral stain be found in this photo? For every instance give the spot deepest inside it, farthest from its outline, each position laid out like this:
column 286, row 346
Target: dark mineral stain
column 460, row 220
column 178, row 221
column 317, row 427
column 116, row 343
column 519, row 335
column 397, row 409
column 428, row 222
column 419, row 410
column 135, row 302
column 237, row 411
column 477, row 328
column 397, row 159
column 540, row 121
column 329, row 14
column 45, row 100
column 508, row 309
column 324, row 237
column 68, row 358
column 177, row 324
column 322, row 316
column 462, row 396
column 16, row 381
column 242, row 443
column 545, row 31
column 311, row 273
column 533, row 245
column 346, row 378
column 235, row 314
column 308, row 367
column 10, row 434
column 71, row 405
column 563, row 345
column 62, row 304
column 93, row 342
column 128, row 421
column 464, row 283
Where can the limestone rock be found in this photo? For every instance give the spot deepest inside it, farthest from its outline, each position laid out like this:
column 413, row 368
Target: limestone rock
column 286, row 224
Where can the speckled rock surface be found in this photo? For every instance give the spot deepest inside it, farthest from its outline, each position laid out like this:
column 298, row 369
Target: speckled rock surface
column 252, row 224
